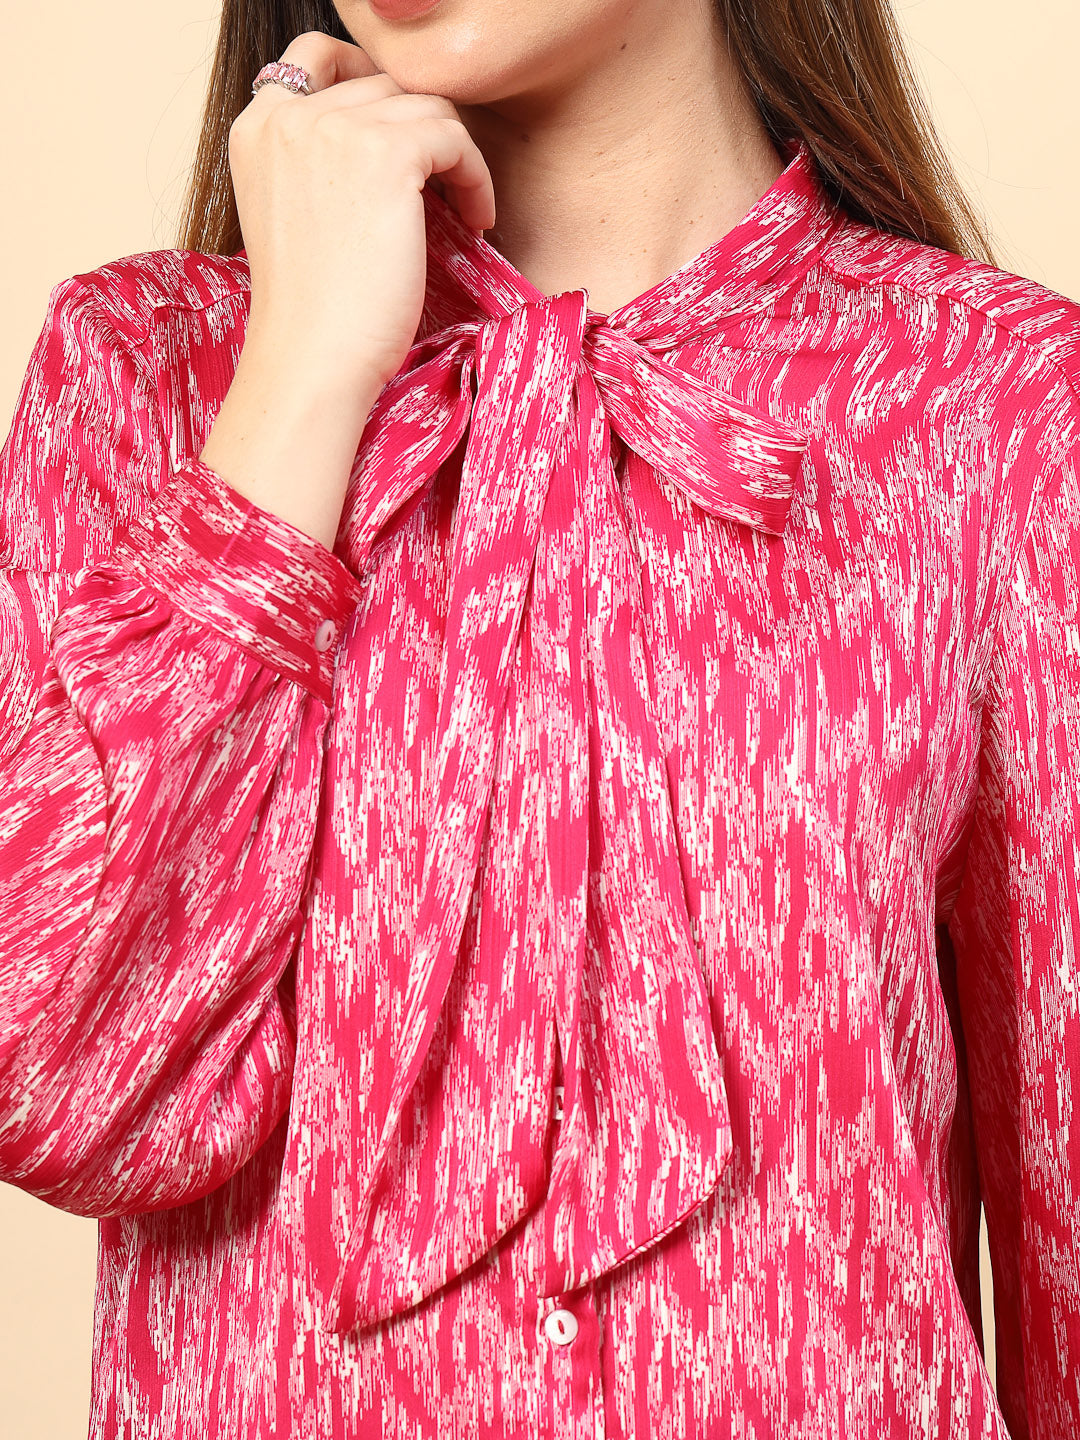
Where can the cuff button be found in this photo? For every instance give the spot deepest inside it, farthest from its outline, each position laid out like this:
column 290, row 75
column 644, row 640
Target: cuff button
column 324, row 635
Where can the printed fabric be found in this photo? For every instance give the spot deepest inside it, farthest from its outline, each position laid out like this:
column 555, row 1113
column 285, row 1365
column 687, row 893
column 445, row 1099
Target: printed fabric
column 575, row 958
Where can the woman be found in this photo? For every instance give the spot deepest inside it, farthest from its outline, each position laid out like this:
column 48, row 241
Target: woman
column 540, row 766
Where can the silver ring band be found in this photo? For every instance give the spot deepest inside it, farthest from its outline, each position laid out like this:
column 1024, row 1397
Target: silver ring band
column 280, row 72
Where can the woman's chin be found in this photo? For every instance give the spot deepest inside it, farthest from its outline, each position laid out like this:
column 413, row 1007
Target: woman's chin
column 474, row 52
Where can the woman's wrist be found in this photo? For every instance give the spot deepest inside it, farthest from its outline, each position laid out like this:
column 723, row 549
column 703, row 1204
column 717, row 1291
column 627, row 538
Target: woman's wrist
column 287, row 440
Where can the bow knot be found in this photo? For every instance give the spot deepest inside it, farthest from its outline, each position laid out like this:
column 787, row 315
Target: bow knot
column 541, row 558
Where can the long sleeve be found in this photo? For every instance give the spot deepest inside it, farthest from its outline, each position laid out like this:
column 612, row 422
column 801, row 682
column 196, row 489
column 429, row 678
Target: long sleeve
column 168, row 653
column 1016, row 935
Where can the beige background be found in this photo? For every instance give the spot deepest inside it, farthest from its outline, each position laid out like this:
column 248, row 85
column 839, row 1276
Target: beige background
column 99, row 106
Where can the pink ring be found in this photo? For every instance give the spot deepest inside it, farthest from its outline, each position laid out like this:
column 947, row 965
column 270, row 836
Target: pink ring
column 280, row 72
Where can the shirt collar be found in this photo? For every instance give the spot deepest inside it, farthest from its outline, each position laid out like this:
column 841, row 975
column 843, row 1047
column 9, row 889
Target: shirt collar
column 747, row 268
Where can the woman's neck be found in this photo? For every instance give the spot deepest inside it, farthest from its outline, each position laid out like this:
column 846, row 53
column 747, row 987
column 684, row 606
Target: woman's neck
column 632, row 169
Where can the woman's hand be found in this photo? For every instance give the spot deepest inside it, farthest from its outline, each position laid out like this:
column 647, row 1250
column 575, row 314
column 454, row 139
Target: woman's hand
column 328, row 189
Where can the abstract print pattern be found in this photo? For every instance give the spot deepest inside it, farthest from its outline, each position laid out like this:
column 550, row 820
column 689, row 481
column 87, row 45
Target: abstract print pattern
column 632, row 877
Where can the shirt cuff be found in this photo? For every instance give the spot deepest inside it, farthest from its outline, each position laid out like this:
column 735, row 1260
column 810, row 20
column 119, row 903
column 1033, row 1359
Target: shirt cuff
column 269, row 587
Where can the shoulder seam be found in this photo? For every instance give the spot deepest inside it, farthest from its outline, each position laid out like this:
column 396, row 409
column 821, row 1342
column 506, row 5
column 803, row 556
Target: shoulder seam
column 154, row 291
column 948, row 293
column 126, row 338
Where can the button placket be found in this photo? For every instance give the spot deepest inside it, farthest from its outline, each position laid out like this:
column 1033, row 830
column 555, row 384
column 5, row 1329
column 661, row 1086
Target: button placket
column 569, row 1334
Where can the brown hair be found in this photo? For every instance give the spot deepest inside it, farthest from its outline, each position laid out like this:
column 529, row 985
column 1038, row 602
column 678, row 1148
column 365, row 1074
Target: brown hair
column 834, row 72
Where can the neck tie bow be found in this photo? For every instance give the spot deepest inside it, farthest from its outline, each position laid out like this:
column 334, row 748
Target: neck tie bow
column 543, row 557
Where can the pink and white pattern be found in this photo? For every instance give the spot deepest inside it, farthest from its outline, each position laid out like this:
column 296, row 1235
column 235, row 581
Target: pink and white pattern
column 686, row 724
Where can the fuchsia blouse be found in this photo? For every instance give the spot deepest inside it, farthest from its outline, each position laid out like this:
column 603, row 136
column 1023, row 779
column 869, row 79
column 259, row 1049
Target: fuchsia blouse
column 571, row 960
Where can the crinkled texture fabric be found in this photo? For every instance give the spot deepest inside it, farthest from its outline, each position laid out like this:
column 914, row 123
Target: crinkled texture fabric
column 573, row 959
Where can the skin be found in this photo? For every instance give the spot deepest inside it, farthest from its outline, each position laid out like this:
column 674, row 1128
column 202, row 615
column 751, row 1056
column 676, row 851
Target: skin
column 621, row 136
column 596, row 143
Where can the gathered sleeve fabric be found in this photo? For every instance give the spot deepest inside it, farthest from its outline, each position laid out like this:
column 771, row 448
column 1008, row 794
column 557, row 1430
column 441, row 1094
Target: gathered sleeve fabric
column 168, row 661
column 1015, row 930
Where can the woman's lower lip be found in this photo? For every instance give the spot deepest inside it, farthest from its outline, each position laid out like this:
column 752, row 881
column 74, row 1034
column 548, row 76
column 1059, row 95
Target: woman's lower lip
column 402, row 9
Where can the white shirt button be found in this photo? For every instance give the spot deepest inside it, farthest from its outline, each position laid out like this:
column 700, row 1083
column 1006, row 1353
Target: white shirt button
column 560, row 1327
column 324, row 635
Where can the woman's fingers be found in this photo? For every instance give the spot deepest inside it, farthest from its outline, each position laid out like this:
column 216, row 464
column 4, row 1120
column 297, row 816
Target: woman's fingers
column 456, row 160
column 328, row 192
column 456, row 164
column 328, row 60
